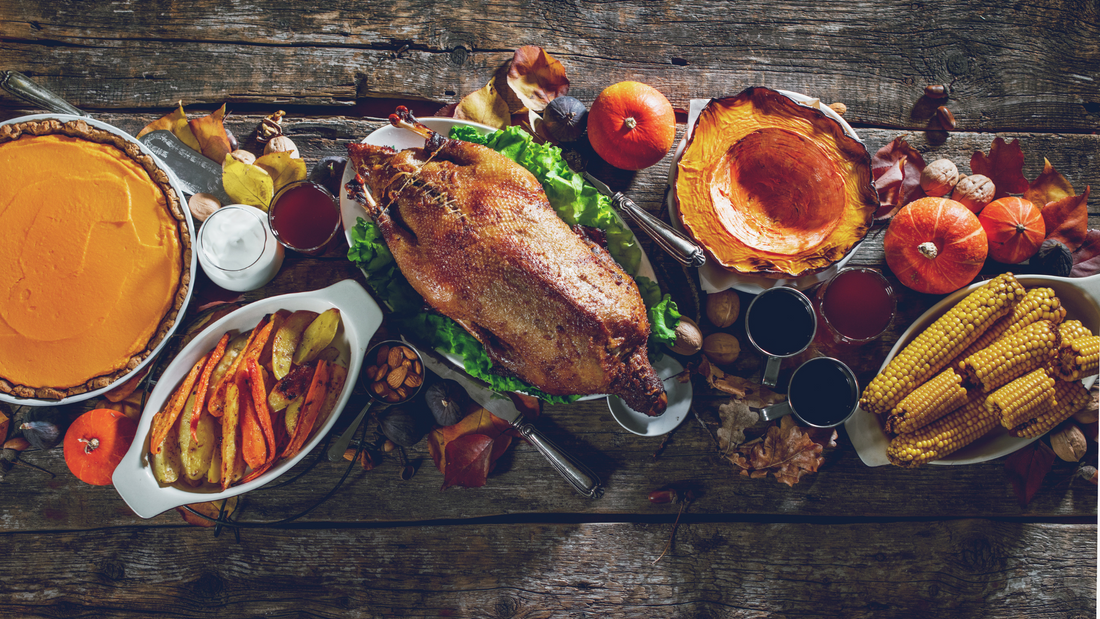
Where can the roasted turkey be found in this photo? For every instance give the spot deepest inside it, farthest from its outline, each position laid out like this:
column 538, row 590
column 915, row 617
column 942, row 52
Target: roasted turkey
column 474, row 234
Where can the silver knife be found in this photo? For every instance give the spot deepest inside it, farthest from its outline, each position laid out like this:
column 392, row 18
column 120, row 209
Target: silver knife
column 196, row 172
column 583, row 480
column 674, row 242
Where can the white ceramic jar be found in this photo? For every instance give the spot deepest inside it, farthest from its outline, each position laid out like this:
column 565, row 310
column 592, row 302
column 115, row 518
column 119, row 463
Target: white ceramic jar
column 237, row 250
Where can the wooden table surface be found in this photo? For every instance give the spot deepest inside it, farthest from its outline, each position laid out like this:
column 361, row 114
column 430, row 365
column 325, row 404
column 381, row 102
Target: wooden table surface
column 849, row 541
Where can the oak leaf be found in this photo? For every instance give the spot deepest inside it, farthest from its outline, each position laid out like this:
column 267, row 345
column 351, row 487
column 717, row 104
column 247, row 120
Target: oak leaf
column 536, row 78
column 1067, row 220
column 896, row 169
column 752, row 393
column 736, row 417
column 282, row 168
column 787, row 453
column 210, row 133
column 176, row 122
column 1049, row 186
column 486, row 106
column 247, row 183
column 1004, row 166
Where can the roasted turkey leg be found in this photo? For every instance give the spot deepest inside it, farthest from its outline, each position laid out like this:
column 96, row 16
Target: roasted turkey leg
column 474, row 234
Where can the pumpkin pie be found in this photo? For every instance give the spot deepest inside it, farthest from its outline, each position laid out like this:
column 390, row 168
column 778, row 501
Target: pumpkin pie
column 95, row 257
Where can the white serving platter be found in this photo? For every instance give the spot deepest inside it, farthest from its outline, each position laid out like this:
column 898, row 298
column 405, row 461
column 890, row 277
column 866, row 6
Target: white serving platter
column 192, row 267
column 360, row 318
column 714, row 277
column 1080, row 297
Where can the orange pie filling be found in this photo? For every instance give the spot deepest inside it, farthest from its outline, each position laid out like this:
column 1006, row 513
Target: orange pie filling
column 91, row 260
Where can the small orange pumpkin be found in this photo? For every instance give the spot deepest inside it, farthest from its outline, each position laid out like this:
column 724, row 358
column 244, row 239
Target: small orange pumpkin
column 95, row 444
column 935, row 245
column 1015, row 229
column 631, row 125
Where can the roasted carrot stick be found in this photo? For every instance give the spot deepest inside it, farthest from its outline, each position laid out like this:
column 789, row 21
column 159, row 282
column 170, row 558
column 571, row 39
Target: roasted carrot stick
column 163, row 421
column 315, row 398
column 217, row 400
column 253, row 443
column 259, row 402
column 204, row 384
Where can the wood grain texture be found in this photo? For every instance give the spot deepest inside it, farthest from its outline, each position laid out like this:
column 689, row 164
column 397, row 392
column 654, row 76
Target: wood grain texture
column 1023, row 66
column 963, row 569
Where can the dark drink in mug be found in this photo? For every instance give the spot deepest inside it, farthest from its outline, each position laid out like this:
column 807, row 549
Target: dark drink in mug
column 780, row 323
column 823, row 393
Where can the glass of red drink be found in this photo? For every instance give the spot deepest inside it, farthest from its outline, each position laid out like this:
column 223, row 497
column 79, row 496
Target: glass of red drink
column 856, row 306
column 305, row 217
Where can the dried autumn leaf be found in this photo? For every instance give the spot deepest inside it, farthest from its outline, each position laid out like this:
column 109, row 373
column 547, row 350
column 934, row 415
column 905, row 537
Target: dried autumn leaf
column 485, row 106
column 468, row 462
column 282, row 168
column 1004, row 166
column 896, row 169
column 736, row 417
column 536, row 78
column 176, row 122
column 210, row 133
column 787, row 453
column 480, row 421
column 1067, row 220
column 247, row 183
column 1086, row 260
column 210, row 509
column 1049, row 186
column 1026, row 469
column 753, row 394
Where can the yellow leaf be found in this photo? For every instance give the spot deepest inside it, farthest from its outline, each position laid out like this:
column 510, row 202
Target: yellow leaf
column 282, row 168
column 247, row 183
column 176, row 122
column 485, row 106
column 1050, row 186
column 211, row 136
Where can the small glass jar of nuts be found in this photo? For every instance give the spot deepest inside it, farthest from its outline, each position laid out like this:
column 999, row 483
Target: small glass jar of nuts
column 396, row 374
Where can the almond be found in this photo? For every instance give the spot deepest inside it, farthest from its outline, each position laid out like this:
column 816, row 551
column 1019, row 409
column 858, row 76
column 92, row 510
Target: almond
column 395, row 357
column 383, row 354
column 413, row 380
column 396, row 377
column 410, row 354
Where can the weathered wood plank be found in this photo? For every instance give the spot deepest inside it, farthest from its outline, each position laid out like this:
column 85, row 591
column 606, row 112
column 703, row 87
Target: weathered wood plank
column 961, row 569
column 1012, row 67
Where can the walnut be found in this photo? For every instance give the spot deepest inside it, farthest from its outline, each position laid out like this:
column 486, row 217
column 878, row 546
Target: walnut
column 689, row 340
column 202, row 205
column 839, row 108
column 939, row 177
column 721, row 348
column 723, row 308
column 282, row 144
column 1069, row 443
column 974, row 192
column 243, row 156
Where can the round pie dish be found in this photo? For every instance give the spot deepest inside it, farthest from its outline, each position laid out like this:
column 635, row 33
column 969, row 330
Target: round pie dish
column 96, row 258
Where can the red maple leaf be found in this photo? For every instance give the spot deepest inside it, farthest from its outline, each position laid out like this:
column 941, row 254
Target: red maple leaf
column 1004, row 166
column 1067, row 220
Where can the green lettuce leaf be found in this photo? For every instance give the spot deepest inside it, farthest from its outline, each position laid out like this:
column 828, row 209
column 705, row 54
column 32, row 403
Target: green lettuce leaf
column 663, row 318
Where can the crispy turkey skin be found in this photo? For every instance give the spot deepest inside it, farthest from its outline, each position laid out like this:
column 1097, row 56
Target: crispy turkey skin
column 474, row 234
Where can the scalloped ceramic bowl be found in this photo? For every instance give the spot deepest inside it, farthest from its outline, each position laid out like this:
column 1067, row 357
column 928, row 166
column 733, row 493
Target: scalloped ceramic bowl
column 360, row 318
column 1080, row 297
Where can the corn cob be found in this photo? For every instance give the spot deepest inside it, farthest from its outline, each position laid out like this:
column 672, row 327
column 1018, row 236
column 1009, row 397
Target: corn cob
column 1078, row 359
column 1038, row 304
column 1016, row 401
column 944, row 436
column 1071, row 330
column 1009, row 358
column 932, row 400
column 1069, row 397
column 941, row 342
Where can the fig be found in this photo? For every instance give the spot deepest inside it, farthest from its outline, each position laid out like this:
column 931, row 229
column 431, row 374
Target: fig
column 402, row 425
column 1054, row 258
column 42, row 426
column 328, row 172
column 565, row 119
column 447, row 400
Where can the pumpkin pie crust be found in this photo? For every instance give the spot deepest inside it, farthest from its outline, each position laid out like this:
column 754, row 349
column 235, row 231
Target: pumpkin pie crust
column 95, row 256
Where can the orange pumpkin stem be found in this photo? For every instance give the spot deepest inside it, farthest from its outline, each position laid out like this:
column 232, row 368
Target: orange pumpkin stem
column 630, row 122
column 928, row 249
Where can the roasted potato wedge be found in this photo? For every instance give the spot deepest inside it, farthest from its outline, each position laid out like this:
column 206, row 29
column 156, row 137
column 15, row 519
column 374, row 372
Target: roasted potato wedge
column 196, row 454
column 317, row 336
column 214, row 471
column 277, row 319
column 166, row 463
column 292, row 411
column 292, row 386
column 286, row 341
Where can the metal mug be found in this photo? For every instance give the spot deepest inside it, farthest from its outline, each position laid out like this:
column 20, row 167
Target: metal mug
column 761, row 328
column 824, row 392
